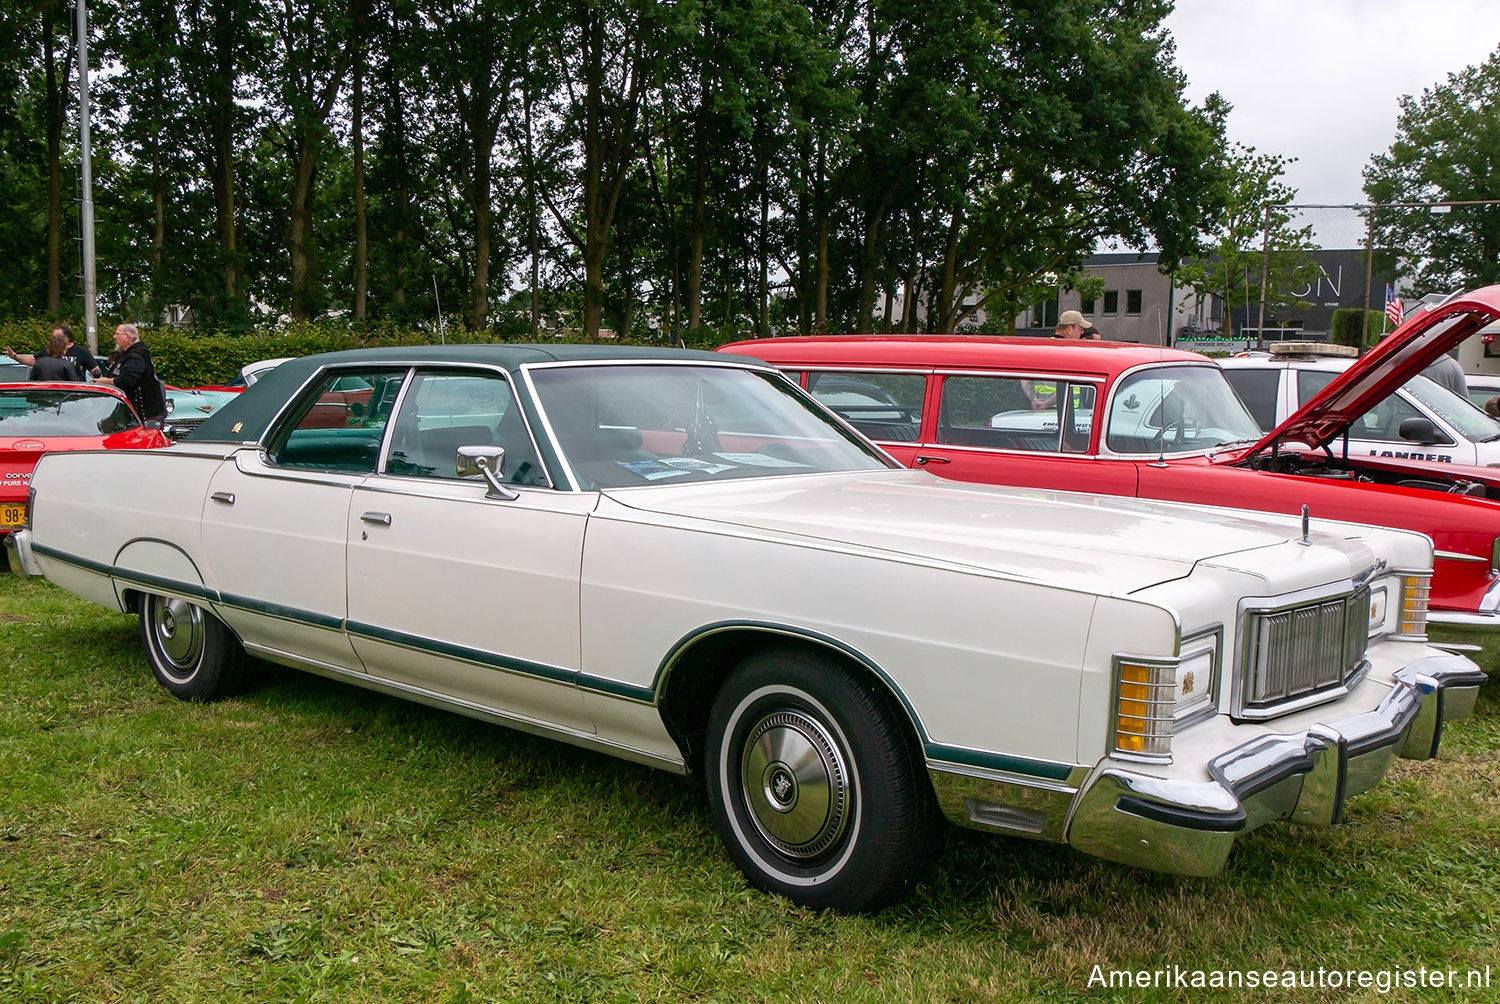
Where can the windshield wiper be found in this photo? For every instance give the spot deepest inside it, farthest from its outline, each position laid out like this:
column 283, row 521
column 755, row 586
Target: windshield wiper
column 1232, row 442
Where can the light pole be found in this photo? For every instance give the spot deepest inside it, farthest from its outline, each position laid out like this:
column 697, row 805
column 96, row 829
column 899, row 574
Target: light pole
column 86, row 206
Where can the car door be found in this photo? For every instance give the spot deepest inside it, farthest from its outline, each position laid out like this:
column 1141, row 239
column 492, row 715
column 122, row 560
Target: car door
column 275, row 524
column 1033, row 430
column 453, row 591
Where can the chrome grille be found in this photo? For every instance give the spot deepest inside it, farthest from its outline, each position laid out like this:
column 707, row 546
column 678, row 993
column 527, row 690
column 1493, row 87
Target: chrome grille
column 1306, row 649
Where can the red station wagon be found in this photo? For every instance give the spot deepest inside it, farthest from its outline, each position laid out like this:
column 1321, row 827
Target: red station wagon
column 1158, row 423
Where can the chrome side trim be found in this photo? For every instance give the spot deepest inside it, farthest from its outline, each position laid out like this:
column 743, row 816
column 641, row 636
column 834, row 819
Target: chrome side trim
column 469, row 709
column 997, row 801
column 1456, row 556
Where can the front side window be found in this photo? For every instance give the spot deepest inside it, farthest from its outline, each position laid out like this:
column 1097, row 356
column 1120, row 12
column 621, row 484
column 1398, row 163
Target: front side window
column 883, row 406
column 338, row 422
column 623, row 425
column 26, row 413
column 445, row 410
column 1047, row 414
column 1381, row 423
column 1460, row 412
column 1174, row 409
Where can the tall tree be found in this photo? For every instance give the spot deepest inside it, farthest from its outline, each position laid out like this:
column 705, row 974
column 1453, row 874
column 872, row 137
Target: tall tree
column 1254, row 237
column 311, row 52
column 1447, row 149
column 475, row 57
column 218, row 43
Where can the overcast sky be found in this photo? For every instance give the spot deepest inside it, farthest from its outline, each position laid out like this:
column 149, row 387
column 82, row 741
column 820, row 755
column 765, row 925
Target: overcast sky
column 1319, row 80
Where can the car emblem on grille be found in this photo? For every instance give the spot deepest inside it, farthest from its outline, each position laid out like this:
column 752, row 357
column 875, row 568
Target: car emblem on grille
column 1187, row 682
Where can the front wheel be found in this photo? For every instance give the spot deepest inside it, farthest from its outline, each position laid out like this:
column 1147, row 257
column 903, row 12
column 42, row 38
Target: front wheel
column 815, row 786
column 191, row 652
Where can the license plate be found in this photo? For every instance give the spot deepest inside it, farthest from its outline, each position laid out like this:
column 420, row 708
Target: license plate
column 13, row 514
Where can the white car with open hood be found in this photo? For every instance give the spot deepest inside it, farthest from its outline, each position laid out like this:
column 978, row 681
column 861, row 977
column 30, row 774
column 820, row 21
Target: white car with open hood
column 682, row 559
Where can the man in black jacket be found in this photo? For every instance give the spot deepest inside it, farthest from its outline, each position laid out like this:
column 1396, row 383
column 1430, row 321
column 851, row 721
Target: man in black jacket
column 137, row 376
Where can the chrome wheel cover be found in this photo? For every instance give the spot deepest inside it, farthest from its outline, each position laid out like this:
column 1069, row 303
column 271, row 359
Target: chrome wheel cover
column 796, row 784
column 177, row 634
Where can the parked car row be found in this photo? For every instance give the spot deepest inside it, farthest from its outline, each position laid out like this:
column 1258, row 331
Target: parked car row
column 1022, row 412
column 685, row 560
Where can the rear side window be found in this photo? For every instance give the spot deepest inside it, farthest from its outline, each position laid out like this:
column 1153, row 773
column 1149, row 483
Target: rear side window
column 1042, row 414
column 883, row 406
column 1257, row 389
column 338, row 422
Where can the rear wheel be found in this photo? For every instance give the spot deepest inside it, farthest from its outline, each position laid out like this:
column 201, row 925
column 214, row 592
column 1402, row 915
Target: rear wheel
column 816, row 788
column 191, row 652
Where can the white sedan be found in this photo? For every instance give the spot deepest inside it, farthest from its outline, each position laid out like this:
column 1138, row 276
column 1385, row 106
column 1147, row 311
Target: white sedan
column 681, row 559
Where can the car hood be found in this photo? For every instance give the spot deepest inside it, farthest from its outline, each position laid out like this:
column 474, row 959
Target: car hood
column 1100, row 544
column 1400, row 356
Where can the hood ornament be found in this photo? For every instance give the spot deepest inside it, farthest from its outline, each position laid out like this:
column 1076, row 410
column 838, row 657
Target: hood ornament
column 1306, row 540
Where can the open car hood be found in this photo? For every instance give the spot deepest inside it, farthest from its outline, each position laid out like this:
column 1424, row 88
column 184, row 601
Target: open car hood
column 1400, row 356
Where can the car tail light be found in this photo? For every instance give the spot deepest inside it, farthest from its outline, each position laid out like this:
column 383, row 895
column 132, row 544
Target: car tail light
column 1144, row 704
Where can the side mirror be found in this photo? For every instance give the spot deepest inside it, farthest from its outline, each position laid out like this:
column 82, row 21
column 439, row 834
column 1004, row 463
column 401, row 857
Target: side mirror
column 1419, row 430
column 152, row 423
column 487, row 462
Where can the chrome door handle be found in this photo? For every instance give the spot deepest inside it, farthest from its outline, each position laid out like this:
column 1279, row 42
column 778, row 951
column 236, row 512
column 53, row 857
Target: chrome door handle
column 383, row 518
column 226, row 497
column 933, row 460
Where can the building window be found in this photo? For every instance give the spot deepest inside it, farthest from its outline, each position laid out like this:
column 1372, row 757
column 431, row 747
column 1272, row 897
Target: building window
column 1044, row 314
column 1133, row 301
column 1088, row 307
column 1112, row 301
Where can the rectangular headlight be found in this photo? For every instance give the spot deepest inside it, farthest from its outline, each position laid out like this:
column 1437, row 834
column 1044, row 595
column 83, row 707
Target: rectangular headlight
column 1415, row 591
column 1144, row 706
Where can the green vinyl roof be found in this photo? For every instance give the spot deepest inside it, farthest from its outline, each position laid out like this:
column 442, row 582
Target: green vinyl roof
column 246, row 419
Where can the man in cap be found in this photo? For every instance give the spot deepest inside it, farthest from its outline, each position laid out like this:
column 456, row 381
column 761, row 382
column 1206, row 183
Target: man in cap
column 1069, row 325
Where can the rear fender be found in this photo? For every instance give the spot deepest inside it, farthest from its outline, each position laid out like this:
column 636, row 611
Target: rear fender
column 155, row 566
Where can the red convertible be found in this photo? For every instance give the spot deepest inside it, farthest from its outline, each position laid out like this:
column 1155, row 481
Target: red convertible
column 1158, row 423
column 38, row 418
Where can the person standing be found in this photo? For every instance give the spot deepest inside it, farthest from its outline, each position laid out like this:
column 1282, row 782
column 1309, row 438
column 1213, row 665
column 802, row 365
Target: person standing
column 81, row 357
column 137, row 375
column 53, row 367
column 1446, row 371
column 1069, row 325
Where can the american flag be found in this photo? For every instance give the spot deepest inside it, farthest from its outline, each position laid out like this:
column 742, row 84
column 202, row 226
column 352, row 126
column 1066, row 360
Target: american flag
column 1393, row 311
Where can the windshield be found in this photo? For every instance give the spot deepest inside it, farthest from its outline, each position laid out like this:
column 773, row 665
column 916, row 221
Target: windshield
column 63, row 413
column 1176, row 409
column 624, row 425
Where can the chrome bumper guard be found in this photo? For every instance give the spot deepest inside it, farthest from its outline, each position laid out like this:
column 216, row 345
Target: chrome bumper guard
column 1188, row 827
column 18, row 554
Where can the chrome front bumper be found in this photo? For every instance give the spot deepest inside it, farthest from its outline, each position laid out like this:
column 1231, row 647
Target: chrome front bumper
column 18, row 553
column 1188, row 827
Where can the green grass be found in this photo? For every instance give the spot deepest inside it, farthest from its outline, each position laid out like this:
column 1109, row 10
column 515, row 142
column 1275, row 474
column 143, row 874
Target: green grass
column 310, row 841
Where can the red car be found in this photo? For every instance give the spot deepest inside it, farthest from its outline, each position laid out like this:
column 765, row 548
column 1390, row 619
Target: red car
column 1158, row 423
column 38, row 418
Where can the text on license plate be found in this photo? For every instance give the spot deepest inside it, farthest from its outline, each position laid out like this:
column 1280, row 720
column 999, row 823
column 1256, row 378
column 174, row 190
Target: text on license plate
column 12, row 514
